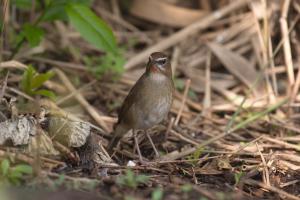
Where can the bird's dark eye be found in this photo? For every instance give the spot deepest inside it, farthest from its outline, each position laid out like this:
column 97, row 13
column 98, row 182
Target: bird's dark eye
column 161, row 61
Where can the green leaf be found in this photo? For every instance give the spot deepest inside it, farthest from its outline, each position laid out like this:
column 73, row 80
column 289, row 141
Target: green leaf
column 192, row 94
column 15, row 180
column 15, row 175
column 129, row 198
column 198, row 153
column 56, row 9
column 31, row 81
column 238, row 176
column 186, row 188
column 26, row 79
column 22, row 4
column 131, row 180
column 179, row 84
column 142, row 179
column 4, row 167
column 203, row 198
column 91, row 27
column 113, row 62
column 109, row 63
column 33, row 34
column 23, row 169
column 157, row 194
column 39, row 79
column 60, row 180
column 45, row 93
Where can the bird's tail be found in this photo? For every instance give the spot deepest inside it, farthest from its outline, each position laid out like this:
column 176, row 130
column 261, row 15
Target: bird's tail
column 118, row 133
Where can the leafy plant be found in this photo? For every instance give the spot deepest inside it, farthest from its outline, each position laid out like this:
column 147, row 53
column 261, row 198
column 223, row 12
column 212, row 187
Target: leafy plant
column 54, row 10
column 92, row 28
column 179, row 84
column 58, row 182
column 32, row 82
column 203, row 198
column 13, row 175
column 98, row 33
column 33, row 34
column 238, row 176
column 50, row 10
column 129, row 198
column 195, row 156
column 132, row 180
column 22, row 4
column 186, row 188
column 105, row 64
column 192, row 94
column 157, row 194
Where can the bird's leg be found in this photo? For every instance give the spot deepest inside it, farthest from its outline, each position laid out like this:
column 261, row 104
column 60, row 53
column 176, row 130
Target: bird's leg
column 152, row 144
column 137, row 146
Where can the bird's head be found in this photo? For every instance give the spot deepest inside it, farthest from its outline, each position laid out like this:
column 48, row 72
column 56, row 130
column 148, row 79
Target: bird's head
column 159, row 63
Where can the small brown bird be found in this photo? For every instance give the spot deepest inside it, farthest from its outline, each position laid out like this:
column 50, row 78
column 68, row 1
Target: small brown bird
column 148, row 102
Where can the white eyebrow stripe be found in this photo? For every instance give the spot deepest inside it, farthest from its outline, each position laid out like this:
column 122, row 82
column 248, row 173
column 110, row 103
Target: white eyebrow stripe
column 161, row 59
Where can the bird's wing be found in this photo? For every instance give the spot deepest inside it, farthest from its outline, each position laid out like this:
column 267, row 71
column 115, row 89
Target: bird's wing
column 130, row 99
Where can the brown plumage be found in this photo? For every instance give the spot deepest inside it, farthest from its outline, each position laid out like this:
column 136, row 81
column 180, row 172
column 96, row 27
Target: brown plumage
column 149, row 100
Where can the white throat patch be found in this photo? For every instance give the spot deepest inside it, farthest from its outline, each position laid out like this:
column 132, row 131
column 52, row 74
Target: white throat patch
column 158, row 77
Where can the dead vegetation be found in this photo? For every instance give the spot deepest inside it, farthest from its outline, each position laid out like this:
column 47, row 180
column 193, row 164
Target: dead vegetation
column 233, row 132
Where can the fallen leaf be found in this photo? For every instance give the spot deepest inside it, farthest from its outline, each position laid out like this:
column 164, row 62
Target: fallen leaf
column 165, row 13
column 236, row 65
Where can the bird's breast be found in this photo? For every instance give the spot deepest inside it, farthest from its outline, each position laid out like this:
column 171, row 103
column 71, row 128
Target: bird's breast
column 155, row 109
column 155, row 114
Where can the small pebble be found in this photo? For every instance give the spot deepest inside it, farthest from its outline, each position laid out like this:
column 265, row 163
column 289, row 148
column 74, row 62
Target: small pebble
column 131, row 164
